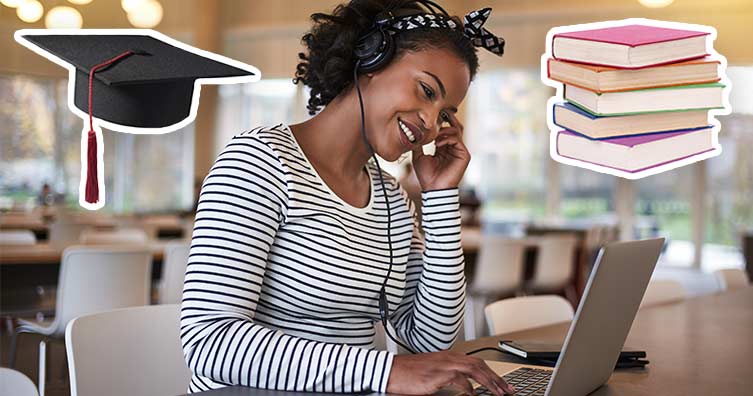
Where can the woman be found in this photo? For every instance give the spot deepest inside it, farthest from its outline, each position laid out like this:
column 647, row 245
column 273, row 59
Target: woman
column 291, row 248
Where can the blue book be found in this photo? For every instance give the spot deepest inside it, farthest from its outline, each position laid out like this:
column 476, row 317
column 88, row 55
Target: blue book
column 591, row 126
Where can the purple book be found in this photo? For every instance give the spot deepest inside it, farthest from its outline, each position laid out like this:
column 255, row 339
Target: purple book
column 635, row 153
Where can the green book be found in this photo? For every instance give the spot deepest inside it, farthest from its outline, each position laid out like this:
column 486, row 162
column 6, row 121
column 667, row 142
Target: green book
column 650, row 100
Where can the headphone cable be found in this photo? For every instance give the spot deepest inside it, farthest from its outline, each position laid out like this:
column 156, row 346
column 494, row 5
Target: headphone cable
column 383, row 303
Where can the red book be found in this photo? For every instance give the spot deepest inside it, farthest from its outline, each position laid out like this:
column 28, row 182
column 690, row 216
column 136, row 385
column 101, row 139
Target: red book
column 629, row 46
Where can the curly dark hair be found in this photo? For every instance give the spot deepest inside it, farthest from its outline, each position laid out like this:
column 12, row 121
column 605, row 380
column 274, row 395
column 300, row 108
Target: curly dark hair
column 328, row 67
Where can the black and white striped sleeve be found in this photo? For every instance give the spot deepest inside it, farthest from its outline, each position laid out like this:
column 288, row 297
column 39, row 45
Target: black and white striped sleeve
column 242, row 203
column 431, row 312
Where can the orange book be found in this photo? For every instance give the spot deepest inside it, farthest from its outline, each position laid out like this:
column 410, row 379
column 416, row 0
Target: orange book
column 612, row 79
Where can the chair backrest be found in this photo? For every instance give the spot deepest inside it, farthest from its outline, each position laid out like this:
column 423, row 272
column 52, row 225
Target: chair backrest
column 130, row 351
column 731, row 279
column 499, row 266
column 554, row 262
column 102, row 278
column 173, row 272
column 663, row 291
column 521, row 313
column 65, row 232
column 594, row 237
column 112, row 237
column 17, row 237
column 15, row 383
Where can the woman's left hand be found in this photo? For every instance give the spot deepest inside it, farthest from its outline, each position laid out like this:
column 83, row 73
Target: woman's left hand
column 446, row 167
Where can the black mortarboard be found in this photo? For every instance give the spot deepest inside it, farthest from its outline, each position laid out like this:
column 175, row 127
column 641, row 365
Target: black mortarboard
column 138, row 81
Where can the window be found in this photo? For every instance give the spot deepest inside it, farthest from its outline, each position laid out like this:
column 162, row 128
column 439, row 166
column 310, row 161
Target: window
column 508, row 139
column 41, row 142
column 585, row 193
column 263, row 103
column 729, row 178
column 663, row 207
column 268, row 102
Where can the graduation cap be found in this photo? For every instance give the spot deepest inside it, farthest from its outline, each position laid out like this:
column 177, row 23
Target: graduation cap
column 129, row 80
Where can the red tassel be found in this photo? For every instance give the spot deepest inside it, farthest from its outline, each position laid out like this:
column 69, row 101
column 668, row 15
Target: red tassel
column 92, row 183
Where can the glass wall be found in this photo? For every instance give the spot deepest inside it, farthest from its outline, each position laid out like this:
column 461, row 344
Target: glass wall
column 507, row 135
column 41, row 143
column 512, row 173
column 263, row 103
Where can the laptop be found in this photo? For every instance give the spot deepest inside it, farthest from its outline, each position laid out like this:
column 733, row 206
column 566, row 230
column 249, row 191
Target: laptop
column 598, row 331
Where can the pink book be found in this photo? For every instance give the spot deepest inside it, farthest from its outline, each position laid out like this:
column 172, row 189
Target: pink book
column 636, row 153
column 630, row 46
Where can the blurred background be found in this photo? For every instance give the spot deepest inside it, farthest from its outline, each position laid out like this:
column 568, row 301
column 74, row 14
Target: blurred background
column 702, row 208
column 512, row 187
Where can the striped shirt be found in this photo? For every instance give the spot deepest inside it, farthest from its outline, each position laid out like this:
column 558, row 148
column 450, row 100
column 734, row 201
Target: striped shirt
column 283, row 277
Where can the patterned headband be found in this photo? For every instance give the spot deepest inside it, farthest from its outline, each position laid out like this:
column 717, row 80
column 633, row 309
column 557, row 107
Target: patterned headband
column 472, row 27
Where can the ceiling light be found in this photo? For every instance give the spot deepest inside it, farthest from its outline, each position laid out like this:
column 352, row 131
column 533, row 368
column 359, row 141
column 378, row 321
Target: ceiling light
column 62, row 17
column 30, row 11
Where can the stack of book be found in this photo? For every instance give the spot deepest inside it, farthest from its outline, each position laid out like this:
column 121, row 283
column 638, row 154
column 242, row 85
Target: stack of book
column 636, row 96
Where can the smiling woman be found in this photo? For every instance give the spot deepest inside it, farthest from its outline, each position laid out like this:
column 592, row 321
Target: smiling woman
column 302, row 243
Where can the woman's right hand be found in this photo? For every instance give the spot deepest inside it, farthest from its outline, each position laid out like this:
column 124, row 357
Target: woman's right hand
column 426, row 373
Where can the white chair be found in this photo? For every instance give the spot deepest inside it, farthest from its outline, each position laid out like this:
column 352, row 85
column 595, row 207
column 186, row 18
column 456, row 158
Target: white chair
column 15, row 383
column 17, row 237
column 555, row 264
column 731, row 278
column 130, row 351
column 173, row 272
column 120, row 236
column 522, row 313
column 663, row 291
column 498, row 272
column 65, row 232
column 92, row 279
column 594, row 239
column 130, row 222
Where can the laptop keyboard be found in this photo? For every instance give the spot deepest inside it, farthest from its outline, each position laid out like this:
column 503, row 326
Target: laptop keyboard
column 526, row 381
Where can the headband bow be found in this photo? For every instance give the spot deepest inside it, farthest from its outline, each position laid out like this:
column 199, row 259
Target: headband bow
column 480, row 37
column 472, row 27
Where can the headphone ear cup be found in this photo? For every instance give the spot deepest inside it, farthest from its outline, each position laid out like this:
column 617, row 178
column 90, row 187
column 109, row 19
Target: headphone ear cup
column 374, row 49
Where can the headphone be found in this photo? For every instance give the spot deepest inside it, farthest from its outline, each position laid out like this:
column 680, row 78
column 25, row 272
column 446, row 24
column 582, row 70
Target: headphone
column 373, row 51
column 375, row 48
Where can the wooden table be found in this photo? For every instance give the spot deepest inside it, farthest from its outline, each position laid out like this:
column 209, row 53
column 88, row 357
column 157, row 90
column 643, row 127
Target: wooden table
column 46, row 253
column 702, row 346
column 36, row 225
column 163, row 226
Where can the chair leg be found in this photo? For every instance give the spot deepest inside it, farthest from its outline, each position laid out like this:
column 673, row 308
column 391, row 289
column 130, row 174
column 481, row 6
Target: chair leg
column 42, row 365
column 13, row 348
column 571, row 295
column 469, row 322
column 482, row 327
